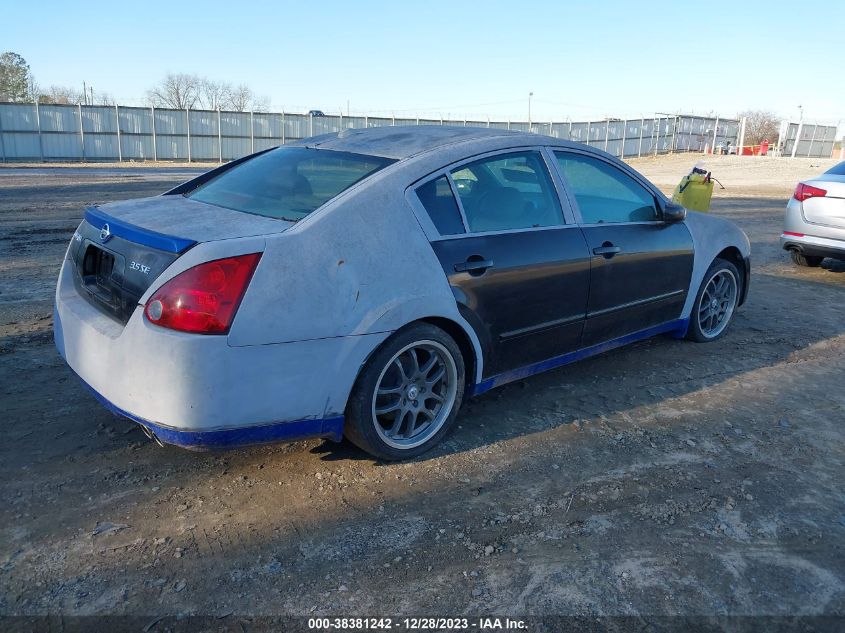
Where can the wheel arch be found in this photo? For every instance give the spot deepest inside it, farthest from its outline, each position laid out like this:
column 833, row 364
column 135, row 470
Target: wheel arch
column 465, row 344
column 733, row 255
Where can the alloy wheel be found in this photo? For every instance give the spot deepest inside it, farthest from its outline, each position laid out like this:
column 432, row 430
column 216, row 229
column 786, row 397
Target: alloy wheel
column 414, row 394
column 717, row 303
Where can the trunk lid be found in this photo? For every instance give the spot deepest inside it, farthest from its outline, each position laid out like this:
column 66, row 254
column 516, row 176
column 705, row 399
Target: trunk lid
column 830, row 209
column 190, row 219
column 121, row 248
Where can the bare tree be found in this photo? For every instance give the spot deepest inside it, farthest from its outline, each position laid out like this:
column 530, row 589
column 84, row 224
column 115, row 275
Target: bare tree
column 104, row 99
column 16, row 82
column 192, row 91
column 178, row 90
column 260, row 104
column 242, row 98
column 61, row 95
column 214, row 95
column 759, row 125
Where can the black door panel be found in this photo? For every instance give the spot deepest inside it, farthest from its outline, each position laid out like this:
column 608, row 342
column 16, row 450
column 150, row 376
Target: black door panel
column 641, row 266
column 528, row 288
column 642, row 284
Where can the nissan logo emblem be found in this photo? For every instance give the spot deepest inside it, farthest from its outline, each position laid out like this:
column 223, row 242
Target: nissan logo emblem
column 105, row 233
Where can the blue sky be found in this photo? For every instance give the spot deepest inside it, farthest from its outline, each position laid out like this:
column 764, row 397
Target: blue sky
column 458, row 59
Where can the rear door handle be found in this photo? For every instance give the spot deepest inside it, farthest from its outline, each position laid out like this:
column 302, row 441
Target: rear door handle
column 607, row 249
column 473, row 265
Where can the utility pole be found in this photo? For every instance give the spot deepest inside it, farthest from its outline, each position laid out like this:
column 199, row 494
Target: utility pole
column 798, row 131
column 530, row 94
column 85, row 93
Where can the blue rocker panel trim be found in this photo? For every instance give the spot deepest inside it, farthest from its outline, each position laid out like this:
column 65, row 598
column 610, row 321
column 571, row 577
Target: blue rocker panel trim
column 120, row 228
column 294, row 430
column 677, row 327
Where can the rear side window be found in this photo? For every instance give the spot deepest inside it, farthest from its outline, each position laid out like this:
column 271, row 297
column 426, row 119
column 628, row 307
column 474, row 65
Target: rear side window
column 605, row 193
column 439, row 202
column 507, row 191
column 837, row 170
column 288, row 183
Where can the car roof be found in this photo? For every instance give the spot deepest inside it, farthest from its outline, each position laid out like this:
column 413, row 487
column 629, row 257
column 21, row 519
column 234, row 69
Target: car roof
column 403, row 141
column 443, row 144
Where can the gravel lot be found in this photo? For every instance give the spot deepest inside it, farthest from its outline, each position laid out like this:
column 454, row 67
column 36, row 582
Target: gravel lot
column 667, row 478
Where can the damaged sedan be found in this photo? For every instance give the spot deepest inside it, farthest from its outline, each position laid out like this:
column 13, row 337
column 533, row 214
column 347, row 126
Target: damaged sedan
column 365, row 283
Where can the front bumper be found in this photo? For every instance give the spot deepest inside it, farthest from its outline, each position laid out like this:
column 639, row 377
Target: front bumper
column 198, row 391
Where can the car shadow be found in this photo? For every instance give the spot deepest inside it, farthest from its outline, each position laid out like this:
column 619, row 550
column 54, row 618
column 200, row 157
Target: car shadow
column 834, row 265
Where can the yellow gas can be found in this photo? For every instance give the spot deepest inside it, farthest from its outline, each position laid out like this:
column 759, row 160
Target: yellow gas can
column 694, row 191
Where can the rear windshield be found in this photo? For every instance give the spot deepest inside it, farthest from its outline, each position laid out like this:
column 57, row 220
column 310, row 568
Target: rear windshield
column 837, row 170
column 287, row 183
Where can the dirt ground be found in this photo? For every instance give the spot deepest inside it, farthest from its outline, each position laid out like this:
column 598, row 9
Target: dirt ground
column 667, row 478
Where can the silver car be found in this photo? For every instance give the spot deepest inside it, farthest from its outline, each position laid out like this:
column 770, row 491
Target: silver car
column 364, row 283
column 814, row 227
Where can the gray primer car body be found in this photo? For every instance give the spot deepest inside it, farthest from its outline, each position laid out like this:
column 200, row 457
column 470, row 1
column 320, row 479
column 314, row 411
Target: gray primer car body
column 327, row 292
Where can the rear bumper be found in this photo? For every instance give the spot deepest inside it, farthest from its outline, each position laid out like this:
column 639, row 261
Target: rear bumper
column 815, row 240
column 291, row 431
column 814, row 246
column 199, row 391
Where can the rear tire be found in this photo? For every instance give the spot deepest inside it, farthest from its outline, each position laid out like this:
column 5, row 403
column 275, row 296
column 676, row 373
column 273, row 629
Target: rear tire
column 715, row 302
column 800, row 259
column 407, row 396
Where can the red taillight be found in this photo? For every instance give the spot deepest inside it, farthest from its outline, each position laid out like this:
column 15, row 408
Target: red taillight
column 793, row 233
column 803, row 192
column 203, row 299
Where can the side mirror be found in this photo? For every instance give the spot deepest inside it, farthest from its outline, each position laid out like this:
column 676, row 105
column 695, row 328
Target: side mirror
column 673, row 212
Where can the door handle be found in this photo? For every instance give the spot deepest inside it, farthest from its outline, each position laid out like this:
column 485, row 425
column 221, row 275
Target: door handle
column 474, row 265
column 607, row 250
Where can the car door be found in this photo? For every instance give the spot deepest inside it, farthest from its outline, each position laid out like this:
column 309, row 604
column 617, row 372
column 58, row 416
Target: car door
column 640, row 265
column 519, row 271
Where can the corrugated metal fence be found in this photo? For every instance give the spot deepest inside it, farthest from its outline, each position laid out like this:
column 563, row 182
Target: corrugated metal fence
column 815, row 141
column 38, row 132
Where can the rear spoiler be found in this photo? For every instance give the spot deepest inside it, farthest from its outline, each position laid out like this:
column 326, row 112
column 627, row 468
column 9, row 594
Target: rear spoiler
column 111, row 226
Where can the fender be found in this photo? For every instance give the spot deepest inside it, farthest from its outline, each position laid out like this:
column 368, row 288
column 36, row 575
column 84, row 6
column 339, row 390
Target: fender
column 710, row 236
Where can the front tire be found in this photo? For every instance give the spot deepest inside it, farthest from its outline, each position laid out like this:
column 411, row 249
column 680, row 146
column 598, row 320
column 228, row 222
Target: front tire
column 715, row 302
column 408, row 394
column 800, row 259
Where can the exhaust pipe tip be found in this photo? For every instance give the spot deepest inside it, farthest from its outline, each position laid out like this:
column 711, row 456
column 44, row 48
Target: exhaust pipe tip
column 149, row 433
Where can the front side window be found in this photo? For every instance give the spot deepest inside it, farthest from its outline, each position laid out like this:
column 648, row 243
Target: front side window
column 507, row 191
column 604, row 193
column 288, row 183
column 439, row 202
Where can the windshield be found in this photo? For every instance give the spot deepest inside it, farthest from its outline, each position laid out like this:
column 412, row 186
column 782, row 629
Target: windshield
column 287, row 183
